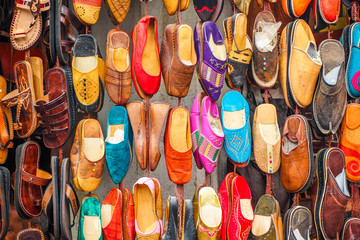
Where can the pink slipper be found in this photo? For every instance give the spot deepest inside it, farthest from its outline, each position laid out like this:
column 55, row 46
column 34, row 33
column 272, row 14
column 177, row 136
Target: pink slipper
column 211, row 134
column 195, row 125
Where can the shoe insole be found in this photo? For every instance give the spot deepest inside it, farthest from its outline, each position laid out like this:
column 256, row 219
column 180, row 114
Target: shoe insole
column 115, row 133
column 215, row 124
column 246, row 209
column 270, row 133
column 144, row 215
column 150, row 57
column 106, row 214
column 37, row 69
column 288, row 145
column 261, row 225
column 92, row 228
column 210, row 209
column 93, row 142
column 186, row 49
column 263, row 211
column 234, row 120
column 120, row 42
column 219, row 51
column 179, row 138
column 85, row 64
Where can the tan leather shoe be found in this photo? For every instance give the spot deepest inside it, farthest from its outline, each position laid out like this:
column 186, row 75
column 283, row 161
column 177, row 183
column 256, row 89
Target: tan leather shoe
column 172, row 5
column 299, row 60
column 137, row 119
column 158, row 115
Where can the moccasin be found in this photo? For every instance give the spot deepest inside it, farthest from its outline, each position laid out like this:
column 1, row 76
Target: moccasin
column 266, row 138
column 177, row 146
column 325, row 13
column 211, row 58
column 118, row 69
column 295, row 8
column 145, row 67
column 178, row 59
column 118, row 143
column 297, row 223
column 299, row 60
column 235, row 113
column 351, row 229
column 350, row 141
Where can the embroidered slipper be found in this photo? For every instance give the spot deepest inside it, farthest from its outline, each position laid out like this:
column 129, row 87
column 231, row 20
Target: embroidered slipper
column 26, row 24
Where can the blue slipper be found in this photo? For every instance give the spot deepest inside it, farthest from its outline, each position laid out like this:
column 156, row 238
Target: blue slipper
column 118, row 143
column 353, row 68
column 90, row 219
column 235, row 117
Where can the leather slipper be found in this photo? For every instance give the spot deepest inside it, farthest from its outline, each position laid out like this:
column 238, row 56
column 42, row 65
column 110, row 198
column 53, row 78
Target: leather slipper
column 118, row 9
column 205, row 8
column 30, row 234
column 26, row 24
column 29, row 180
column 56, row 110
column 5, row 201
column 69, row 202
column 128, row 215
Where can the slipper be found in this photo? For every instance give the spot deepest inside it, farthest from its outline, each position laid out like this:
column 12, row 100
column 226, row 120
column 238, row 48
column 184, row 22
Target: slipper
column 205, row 8
column 235, row 114
column 118, row 69
column 195, row 126
column 90, row 219
column 211, row 55
column 69, row 202
column 242, row 5
column 128, row 215
column 26, row 24
column 29, row 180
column 86, row 70
column 56, row 110
column 118, row 143
column 118, row 9
column 111, row 215
column 87, row 11
column 211, row 134
column 6, row 130
column 4, row 201
column 216, row 14
column 30, row 234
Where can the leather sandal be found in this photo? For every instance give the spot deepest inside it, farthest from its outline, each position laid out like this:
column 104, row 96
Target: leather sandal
column 29, row 180
column 26, row 24
column 56, row 110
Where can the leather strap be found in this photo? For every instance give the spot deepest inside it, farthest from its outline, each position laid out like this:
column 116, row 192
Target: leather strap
column 37, row 180
column 72, row 198
column 46, row 199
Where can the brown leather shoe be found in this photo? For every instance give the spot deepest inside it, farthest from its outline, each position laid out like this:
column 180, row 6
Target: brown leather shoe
column 137, row 119
column 330, row 193
column 30, row 234
column 297, row 161
column 118, row 71
column 351, row 229
column 178, row 59
column 177, row 146
column 128, row 215
column 158, row 115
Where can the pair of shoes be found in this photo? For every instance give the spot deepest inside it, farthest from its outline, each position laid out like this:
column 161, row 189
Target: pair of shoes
column 88, row 71
column 350, row 141
column 237, row 211
column 60, row 200
column 56, row 109
column 299, row 60
column 235, row 117
column 211, row 58
column 207, row 213
column 350, row 40
column 171, row 220
column 208, row 10
column 297, row 160
column 298, row 223
column 29, row 180
column 136, row 111
column 206, row 132
column 87, row 155
column 118, row 143
column 90, row 219
column 266, row 138
column 330, row 98
column 238, row 48
column 117, row 215
column 267, row 222
column 178, row 59
column 148, row 209
column 145, row 67
column 265, row 59
column 177, row 145
column 329, row 193
column 172, row 5
column 118, row 69
column 326, row 13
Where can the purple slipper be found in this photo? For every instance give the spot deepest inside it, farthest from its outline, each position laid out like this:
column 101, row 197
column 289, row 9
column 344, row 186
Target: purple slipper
column 211, row 53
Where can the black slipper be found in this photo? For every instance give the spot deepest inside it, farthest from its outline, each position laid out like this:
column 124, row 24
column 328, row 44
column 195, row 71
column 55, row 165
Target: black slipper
column 205, row 8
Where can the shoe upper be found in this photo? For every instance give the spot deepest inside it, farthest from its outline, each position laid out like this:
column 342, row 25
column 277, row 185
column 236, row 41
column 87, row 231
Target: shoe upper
column 351, row 229
column 330, row 95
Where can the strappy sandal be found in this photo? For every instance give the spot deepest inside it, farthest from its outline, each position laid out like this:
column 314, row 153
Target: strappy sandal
column 29, row 180
column 26, row 24
column 56, row 110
